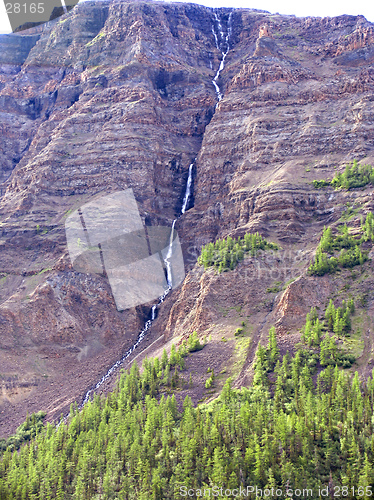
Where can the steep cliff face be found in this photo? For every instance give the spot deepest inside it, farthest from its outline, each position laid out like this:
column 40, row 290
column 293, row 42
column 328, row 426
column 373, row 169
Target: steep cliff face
column 117, row 95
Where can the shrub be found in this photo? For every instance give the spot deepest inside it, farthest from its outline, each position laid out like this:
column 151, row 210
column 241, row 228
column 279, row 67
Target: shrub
column 321, row 184
column 209, row 381
column 193, row 343
column 238, row 332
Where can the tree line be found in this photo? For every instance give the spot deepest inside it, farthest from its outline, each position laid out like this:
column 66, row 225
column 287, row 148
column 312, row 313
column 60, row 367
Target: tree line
column 302, row 423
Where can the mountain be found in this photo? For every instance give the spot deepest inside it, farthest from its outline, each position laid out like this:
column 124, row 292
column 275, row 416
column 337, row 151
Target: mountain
column 120, row 95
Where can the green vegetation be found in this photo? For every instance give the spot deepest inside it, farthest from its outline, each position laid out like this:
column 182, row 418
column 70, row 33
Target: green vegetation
column 324, row 347
column 266, row 359
column 288, row 282
column 368, row 228
column 193, row 343
column 209, row 382
column 96, row 39
column 275, row 288
column 321, row 184
column 225, row 253
column 312, row 331
column 354, row 176
column 45, row 270
column 136, row 443
column 349, row 212
column 26, row 431
column 350, row 254
column 339, row 319
column 241, row 346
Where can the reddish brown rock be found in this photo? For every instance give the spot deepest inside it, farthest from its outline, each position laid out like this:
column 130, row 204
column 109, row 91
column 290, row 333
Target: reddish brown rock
column 119, row 95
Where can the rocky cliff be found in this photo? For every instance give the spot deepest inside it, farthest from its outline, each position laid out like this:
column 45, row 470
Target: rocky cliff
column 118, row 95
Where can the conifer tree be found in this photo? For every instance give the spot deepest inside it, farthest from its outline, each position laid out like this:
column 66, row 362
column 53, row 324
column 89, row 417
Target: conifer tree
column 330, row 315
column 273, row 346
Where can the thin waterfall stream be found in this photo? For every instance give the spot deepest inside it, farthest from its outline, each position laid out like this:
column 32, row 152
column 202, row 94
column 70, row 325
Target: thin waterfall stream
column 169, row 280
column 223, row 45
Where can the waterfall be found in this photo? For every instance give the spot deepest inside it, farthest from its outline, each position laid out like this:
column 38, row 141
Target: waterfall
column 187, row 195
column 223, row 46
column 64, row 6
column 215, row 36
column 169, row 276
column 153, row 312
column 169, row 280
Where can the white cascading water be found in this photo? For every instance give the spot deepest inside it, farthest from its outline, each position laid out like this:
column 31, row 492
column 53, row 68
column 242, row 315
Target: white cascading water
column 188, row 190
column 169, row 280
column 223, row 46
column 169, row 276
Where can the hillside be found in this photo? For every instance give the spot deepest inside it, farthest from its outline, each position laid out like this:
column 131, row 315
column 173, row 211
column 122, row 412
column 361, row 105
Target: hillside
column 282, row 439
column 120, row 95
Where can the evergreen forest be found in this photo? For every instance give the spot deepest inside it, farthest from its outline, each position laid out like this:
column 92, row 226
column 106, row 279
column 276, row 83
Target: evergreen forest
column 303, row 425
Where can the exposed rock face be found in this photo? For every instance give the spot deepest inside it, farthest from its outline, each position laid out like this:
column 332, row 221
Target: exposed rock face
column 118, row 95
